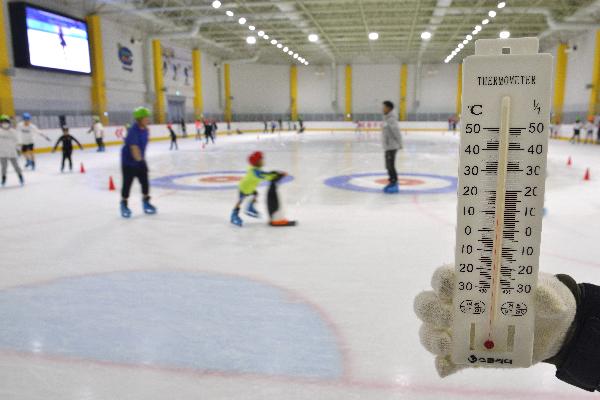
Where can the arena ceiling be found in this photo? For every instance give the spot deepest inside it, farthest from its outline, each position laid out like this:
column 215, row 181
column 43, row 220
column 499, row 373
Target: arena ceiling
column 343, row 25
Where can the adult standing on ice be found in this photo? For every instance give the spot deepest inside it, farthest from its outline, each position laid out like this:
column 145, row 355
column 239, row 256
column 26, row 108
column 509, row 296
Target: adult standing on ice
column 133, row 161
column 8, row 148
column 392, row 142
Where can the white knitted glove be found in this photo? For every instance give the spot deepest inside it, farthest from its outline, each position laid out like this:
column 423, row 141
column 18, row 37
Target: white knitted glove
column 555, row 311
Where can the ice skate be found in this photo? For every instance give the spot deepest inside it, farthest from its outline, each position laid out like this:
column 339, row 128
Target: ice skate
column 148, row 208
column 235, row 218
column 251, row 211
column 125, row 211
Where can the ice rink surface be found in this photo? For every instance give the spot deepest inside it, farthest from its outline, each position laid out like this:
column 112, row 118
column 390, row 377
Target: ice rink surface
column 183, row 305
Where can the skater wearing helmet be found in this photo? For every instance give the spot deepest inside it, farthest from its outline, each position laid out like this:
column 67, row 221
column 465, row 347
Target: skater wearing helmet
column 248, row 186
column 392, row 142
column 133, row 162
column 26, row 130
column 98, row 130
column 8, row 148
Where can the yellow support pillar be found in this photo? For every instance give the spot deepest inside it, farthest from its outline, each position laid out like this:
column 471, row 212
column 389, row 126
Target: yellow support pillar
column 459, row 91
column 7, row 105
column 294, row 92
column 197, row 67
column 348, row 109
column 559, row 82
column 403, row 90
column 594, row 108
column 227, row 80
column 98, row 81
column 159, row 101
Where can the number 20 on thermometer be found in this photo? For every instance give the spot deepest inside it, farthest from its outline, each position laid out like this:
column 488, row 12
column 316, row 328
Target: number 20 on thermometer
column 503, row 149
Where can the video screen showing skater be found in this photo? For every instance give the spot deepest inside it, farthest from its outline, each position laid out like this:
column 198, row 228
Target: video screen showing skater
column 57, row 42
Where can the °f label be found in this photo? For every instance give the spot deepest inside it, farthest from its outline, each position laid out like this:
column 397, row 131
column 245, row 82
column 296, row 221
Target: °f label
column 503, row 148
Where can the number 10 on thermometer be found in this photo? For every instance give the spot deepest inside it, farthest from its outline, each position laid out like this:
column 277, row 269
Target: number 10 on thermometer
column 503, row 149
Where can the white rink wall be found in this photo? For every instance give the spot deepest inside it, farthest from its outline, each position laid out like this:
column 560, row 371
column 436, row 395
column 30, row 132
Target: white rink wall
column 112, row 133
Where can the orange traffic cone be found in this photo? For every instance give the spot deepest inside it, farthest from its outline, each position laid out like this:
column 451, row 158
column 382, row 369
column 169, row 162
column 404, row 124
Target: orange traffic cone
column 111, row 184
column 569, row 161
column 81, row 168
column 586, row 177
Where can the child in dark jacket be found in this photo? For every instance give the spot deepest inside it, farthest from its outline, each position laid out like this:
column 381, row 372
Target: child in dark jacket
column 66, row 140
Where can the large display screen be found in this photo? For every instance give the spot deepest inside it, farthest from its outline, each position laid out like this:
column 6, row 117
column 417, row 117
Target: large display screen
column 46, row 39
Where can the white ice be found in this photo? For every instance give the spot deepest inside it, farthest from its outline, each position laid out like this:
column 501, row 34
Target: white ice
column 357, row 258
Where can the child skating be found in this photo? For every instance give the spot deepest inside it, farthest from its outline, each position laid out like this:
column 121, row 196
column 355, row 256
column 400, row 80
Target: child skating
column 26, row 131
column 66, row 141
column 8, row 149
column 133, row 162
column 173, row 138
column 248, row 186
column 98, row 130
column 576, row 131
column 209, row 131
column 589, row 132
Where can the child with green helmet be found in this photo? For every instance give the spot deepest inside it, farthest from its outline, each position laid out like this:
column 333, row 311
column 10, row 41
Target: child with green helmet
column 133, row 161
column 8, row 148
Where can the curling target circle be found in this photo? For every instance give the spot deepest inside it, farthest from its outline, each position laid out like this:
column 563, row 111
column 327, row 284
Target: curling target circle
column 409, row 183
column 212, row 180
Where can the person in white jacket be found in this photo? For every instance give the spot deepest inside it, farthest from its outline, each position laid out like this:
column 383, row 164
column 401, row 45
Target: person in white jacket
column 98, row 130
column 392, row 142
column 8, row 148
column 26, row 131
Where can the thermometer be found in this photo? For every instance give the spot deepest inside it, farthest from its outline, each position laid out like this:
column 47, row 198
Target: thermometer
column 503, row 150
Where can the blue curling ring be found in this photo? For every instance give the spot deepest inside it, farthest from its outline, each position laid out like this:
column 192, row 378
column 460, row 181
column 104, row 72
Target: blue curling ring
column 344, row 182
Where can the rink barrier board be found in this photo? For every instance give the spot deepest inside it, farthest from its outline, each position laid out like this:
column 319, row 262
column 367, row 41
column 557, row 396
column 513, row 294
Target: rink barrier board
column 248, row 131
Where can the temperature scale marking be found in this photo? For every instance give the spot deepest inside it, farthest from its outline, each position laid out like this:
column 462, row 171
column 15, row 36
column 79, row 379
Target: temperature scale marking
column 504, row 139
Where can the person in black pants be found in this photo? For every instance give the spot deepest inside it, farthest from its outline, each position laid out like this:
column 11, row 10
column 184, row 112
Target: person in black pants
column 392, row 142
column 133, row 161
column 208, row 131
column 173, row 137
column 67, row 148
column 183, row 128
